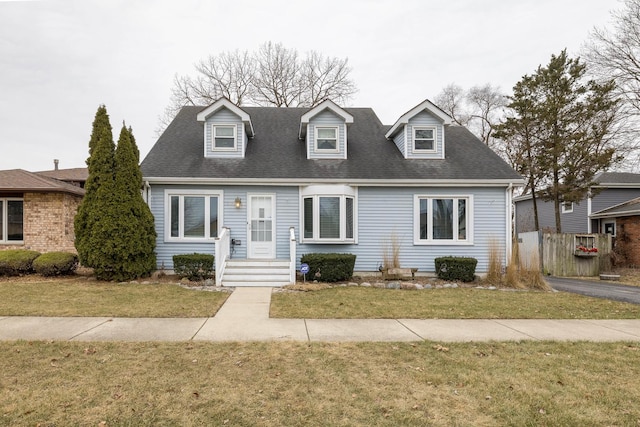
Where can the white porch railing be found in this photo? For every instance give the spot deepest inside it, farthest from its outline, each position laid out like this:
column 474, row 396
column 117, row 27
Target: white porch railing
column 222, row 248
column 292, row 254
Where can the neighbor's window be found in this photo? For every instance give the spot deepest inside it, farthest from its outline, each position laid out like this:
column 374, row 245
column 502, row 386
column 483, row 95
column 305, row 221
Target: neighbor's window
column 424, row 139
column 11, row 220
column 567, row 207
column 193, row 216
column 224, row 137
column 442, row 219
column 329, row 217
column 326, row 138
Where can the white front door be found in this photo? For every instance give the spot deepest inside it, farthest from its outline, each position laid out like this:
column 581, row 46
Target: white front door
column 261, row 226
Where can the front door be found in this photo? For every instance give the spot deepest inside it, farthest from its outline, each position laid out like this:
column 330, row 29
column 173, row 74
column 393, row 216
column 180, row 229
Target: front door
column 261, row 226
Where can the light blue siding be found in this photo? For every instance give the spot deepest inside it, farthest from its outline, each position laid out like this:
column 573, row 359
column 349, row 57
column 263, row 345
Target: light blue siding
column 386, row 211
column 225, row 116
column 400, row 142
column 382, row 212
column 425, row 119
column 327, row 118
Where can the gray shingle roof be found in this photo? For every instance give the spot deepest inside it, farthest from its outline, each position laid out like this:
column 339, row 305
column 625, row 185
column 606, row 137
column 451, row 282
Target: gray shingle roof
column 630, row 207
column 276, row 153
column 617, row 178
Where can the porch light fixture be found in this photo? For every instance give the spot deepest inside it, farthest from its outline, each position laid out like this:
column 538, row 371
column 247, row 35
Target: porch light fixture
column 238, row 202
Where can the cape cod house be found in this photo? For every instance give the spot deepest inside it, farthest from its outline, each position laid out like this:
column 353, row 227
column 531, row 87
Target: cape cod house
column 261, row 186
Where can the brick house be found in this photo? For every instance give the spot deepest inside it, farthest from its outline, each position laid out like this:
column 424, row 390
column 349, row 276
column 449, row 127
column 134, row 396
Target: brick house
column 624, row 220
column 37, row 209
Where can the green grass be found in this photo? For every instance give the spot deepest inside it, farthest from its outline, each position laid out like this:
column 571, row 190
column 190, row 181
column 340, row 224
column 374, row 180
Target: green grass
column 349, row 384
column 78, row 296
column 461, row 303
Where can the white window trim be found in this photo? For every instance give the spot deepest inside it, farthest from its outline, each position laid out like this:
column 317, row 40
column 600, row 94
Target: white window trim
column 565, row 209
column 442, row 242
column 315, row 139
column 607, row 222
column 213, row 136
column 167, row 214
column 341, row 191
column 415, row 150
column 5, row 220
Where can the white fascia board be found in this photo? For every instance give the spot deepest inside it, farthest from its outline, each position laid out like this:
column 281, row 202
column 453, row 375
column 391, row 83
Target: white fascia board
column 424, row 105
column 326, row 104
column 333, row 181
column 225, row 103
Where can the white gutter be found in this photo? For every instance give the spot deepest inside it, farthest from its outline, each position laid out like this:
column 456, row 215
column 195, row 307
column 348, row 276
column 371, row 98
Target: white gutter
column 509, row 224
column 371, row 182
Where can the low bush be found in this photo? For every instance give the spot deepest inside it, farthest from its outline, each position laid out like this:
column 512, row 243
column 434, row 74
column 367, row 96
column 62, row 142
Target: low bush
column 329, row 267
column 15, row 262
column 194, row 266
column 456, row 268
column 56, row 263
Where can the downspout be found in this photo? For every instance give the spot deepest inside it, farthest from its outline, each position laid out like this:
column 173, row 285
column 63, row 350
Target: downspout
column 509, row 224
column 589, row 212
column 146, row 194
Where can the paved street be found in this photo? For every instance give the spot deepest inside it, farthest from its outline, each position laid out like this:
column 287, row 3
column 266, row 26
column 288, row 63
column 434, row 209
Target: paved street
column 596, row 288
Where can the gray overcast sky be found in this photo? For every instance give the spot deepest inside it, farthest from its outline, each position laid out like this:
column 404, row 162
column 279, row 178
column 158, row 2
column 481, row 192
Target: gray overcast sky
column 60, row 59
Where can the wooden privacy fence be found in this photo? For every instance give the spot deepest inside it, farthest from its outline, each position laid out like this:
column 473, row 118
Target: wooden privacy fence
column 565, row 254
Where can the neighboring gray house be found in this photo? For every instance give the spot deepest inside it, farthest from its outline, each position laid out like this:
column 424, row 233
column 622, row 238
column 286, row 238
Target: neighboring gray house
column 590, row 215
column 261, row 186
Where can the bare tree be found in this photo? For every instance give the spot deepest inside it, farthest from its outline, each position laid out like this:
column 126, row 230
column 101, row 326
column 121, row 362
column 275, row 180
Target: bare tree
column 273, row 75
column 480, row 109
column 615, row 54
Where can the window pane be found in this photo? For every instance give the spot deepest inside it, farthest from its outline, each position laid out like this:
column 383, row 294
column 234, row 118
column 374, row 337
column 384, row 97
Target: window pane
column 1, row 220
column 349, row 218
column 424, row 211
column 14, row 220
column 175, row 216
column 308, row 218
column 213, row 217
column 326, row 133
column 423, row 144
column 424, row 133
column 224, row 131
column 462, row 219
column 329, row 217
column 224, row 143
column 443, row 219
column 194, row 216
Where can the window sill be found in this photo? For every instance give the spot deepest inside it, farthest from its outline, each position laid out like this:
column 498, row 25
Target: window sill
column 327, row 242
column 190, row 240
column 442, row 243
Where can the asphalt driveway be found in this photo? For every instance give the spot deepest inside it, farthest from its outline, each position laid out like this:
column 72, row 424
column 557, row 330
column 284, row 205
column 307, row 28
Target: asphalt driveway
column 596, row 288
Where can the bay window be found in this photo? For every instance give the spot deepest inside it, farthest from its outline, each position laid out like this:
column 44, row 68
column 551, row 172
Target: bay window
column 328, row 214
column 443, row 219
column 195, row 215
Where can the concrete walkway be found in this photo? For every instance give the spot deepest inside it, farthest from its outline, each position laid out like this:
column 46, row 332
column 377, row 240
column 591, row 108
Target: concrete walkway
column 245, row 317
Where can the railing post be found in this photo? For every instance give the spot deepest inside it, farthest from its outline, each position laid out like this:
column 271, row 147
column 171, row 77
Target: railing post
column 221, row 247
column 292, row 255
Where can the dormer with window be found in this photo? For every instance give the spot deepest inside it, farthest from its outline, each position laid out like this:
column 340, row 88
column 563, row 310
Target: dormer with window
column 227, row 129
column 419, row 134
column 324, row 130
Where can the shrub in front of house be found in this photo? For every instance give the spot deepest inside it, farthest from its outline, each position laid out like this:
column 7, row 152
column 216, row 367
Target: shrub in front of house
column 332, row 267
column 456, row 268
column 15, row 262
column 56, row 263
column 194, row 266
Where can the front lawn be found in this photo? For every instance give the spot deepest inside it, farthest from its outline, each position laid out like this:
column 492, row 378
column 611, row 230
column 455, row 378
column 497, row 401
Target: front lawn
column 461, row 303
column 300, row 384
column 79, row 296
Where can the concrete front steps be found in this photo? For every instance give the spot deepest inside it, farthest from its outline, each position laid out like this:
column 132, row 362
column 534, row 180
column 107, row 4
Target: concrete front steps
column 252, row 272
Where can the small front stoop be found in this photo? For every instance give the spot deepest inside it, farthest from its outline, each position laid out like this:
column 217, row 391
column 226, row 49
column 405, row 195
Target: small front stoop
column 251, row 272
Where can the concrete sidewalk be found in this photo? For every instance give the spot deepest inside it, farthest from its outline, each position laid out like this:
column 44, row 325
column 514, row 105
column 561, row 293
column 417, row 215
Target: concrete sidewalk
column 245, row 317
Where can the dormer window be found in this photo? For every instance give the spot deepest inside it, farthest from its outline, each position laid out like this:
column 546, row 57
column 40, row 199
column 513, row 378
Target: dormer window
column 327, row 138
column 224, row 137
column 424, row 139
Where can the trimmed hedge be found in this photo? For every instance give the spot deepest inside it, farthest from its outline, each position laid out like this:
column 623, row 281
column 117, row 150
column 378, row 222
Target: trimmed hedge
column 56, row 263
column 15, row 262
column 456, row 268
column 194, row 266
column 329, row 267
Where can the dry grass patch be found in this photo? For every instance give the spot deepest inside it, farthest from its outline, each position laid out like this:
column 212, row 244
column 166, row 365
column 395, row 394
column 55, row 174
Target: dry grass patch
column 462, row 303
column 78, row 296
column 275, row 384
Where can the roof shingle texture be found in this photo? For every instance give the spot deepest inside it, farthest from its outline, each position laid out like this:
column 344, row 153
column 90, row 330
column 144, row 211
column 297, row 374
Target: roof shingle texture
column 18, row 180
column 276, row 152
